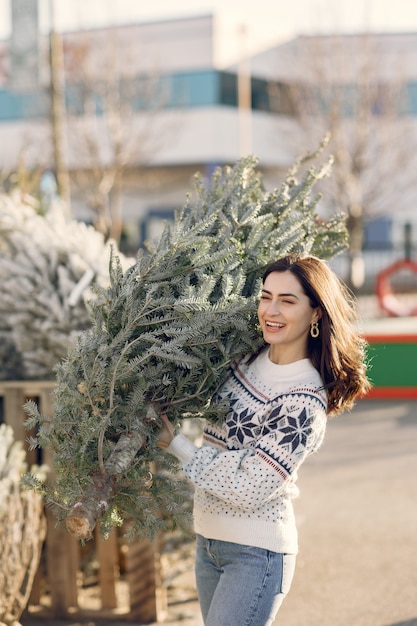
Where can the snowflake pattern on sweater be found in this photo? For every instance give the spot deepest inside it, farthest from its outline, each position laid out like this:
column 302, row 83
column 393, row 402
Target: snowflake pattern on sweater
column 247, row 468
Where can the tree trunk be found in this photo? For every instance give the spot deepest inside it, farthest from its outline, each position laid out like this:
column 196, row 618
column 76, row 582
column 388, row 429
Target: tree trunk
column 85, row 513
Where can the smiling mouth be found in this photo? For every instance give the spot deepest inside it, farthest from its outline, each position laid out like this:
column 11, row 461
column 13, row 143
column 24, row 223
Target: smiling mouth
column 274, row 325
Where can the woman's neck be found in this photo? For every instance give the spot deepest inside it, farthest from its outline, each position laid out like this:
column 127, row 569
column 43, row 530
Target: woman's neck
column 284, row 357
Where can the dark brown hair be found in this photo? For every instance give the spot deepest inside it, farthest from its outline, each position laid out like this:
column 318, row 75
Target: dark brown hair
column 338, row 353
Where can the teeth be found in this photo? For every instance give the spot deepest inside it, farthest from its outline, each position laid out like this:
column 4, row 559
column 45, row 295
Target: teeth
column 275, row 325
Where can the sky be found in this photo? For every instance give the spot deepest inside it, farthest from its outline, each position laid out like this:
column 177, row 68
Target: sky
column 265, row 21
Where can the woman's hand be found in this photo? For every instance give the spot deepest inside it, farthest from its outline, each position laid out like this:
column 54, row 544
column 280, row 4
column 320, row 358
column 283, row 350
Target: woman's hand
column 166, row 434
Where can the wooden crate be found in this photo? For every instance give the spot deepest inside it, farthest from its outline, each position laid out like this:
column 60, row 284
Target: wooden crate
column 59, row 573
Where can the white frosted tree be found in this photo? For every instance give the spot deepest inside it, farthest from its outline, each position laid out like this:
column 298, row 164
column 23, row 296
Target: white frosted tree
column 22, row 530
column 48, row 267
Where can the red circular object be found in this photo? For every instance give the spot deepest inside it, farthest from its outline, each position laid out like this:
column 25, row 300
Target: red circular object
column 387, row 299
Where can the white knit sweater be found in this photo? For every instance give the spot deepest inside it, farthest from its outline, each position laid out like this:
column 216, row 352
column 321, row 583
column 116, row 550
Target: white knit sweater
column 245, row 473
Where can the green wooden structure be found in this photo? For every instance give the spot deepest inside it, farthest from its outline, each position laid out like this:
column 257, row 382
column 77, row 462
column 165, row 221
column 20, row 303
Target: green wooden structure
column 393, row 357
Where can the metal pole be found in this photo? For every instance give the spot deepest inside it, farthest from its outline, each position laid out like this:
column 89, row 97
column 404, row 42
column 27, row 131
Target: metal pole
column 58, row 111
column 244, row 91
column 408, row 245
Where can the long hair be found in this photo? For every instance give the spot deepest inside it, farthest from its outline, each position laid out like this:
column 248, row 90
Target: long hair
column 339, row 352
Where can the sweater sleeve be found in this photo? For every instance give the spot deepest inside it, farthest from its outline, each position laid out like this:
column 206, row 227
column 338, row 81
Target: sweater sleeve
column 182, row 448
column 247, row 477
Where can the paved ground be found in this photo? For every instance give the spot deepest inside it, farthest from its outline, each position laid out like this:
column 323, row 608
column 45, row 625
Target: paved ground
column 357, row 518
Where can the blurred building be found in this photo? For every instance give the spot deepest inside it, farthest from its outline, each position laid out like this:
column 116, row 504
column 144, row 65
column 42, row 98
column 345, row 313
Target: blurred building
column 153, row 100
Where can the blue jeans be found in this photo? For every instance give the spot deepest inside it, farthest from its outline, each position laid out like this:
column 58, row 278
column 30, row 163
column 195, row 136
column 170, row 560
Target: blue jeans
column 240, row 585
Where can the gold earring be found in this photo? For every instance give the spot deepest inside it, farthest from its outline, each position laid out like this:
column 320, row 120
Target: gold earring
column 314, row 330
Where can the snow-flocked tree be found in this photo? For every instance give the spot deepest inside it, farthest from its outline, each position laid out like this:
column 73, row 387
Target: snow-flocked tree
column 22, row 530
column 48, row 265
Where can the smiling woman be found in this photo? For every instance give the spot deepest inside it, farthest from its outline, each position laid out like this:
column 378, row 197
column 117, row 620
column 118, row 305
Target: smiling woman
column 312, row 365
column 333, row 344
column 285, row 314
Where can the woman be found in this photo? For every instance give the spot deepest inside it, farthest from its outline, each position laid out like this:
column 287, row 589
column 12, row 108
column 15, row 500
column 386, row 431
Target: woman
column 245, row 474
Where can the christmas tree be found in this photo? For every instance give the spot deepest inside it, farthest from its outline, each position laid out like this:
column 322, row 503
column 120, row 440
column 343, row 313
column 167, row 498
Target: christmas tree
column 162, row 337
column 47, row 267
column 22, row 530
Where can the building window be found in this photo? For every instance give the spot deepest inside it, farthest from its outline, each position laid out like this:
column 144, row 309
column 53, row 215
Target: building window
column 228, row 89
column 378, row 234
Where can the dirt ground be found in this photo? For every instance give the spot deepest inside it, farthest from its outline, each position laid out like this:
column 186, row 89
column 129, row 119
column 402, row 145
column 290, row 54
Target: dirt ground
column 357, row 519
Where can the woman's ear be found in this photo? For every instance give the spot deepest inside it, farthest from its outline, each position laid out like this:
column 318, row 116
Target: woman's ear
column 317, row 314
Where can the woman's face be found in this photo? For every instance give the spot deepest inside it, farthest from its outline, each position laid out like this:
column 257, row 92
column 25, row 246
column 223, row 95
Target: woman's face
column 285, row 315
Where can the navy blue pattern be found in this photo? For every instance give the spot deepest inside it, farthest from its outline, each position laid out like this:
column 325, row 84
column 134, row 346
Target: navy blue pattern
column 280, row 429
column 242, row 427
column 293, row 427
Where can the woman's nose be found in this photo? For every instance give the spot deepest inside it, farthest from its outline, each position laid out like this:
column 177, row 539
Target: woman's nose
column 273, row 308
